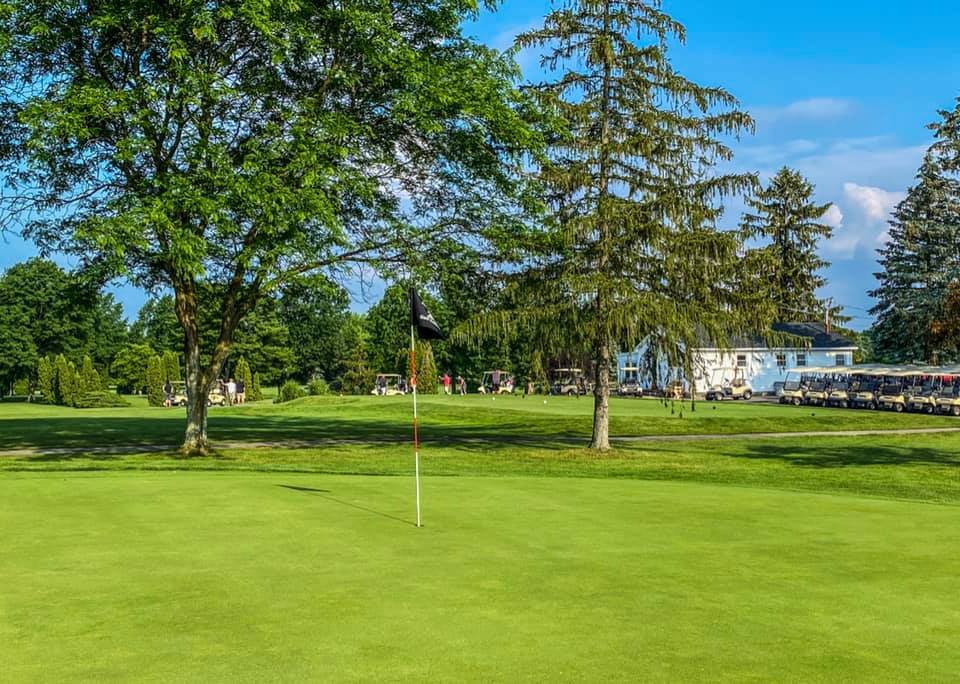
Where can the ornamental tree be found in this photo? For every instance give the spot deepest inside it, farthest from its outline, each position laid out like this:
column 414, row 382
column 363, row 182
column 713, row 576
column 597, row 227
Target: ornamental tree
column 230, row 146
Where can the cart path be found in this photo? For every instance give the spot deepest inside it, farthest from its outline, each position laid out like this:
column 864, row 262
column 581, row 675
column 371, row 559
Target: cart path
column 122, row 450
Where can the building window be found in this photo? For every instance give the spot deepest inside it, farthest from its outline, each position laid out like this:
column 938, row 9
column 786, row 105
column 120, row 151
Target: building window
column 741, row 360
column 841, row 359
column 801, row 359
column 781, row 360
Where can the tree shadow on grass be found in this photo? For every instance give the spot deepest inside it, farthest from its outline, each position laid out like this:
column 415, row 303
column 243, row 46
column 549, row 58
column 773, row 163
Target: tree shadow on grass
column 322, row 493
column 815, row 455
column 101, row 431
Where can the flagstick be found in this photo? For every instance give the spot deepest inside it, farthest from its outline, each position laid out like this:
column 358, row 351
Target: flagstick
column 416, row 428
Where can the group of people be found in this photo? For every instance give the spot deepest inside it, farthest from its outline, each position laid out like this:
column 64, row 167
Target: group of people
column 448, row 385
column 233, row 391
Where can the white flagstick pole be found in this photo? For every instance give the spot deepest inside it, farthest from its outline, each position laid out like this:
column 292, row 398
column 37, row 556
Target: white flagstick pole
column 416, row 428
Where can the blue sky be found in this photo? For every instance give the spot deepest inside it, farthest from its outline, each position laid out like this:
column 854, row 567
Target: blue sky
column 841, row 90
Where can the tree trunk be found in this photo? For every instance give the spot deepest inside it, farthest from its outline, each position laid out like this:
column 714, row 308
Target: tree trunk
column 198, row 387
column 601, row 401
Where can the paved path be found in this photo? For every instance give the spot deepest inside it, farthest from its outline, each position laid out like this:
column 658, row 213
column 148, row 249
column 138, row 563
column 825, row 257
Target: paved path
column 313, row 444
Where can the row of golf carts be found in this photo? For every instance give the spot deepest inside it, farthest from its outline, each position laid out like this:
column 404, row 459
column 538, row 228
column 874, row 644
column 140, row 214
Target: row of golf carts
column 922, row 389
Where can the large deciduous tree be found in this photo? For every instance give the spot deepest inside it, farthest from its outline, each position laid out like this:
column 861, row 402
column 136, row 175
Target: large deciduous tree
column 922, row 256
column 236, row 144
column 635, row 254
column 785, row 214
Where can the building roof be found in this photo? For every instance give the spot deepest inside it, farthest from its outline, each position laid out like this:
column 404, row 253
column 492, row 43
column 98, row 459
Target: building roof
column 817, row 334
column 820, row 338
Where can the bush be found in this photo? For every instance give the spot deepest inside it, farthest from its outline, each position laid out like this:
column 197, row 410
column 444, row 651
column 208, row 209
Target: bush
column 155, row 381
column 255, row 392
column 291, row 390
column 101, row 399
column 21, row 387
column 318, row 387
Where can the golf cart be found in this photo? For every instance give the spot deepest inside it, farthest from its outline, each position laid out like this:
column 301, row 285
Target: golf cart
column 792, row 392
column 949, row 401
column 568, row 381
column 817, row 392
column 925, row 400
column 178, row 397
column 868, row 394
column 738, row 388
column 216, row 398
column 630, row 385
column 840, row 393
column 897, row 389
column 388, row 385
column 496, row 382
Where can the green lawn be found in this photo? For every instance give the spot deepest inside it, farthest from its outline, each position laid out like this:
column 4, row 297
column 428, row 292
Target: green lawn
column 253, row 577
column 561, row 420
column 829, row 558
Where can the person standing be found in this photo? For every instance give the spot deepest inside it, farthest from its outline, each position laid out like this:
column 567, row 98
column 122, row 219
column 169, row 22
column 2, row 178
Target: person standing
column 495, row 381
column 528, row 390
column 446, row 384
column 167, row 394
column 231, row 391
column 462, row 385
column 241, row 391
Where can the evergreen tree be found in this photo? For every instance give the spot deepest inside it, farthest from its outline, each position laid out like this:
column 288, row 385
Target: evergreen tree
column 426, row 376
column 633, row 252
column 922, row 256
column 255, row 393
column 89, row 377
column 171, row 367
column 357, row 377
column 242, row 372
column 786, row 215
column 47, row 379
column 155, row 381
column 67, row 383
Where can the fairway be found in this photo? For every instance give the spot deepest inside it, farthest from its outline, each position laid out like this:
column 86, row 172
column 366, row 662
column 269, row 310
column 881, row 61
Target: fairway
column 230, row 577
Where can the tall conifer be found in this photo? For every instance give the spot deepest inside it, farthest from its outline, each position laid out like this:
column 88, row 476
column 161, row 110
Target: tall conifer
column 633, row 253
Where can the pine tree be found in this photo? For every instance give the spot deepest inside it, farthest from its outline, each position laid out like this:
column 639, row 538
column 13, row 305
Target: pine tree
column 786, row 215
column 67, row 383
column 171, row 367
column 155, row 381
column 426, row 369
column 633, row 252
column 922, row 256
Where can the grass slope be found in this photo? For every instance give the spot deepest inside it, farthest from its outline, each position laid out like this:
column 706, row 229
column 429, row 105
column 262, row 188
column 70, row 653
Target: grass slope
column 253, row 577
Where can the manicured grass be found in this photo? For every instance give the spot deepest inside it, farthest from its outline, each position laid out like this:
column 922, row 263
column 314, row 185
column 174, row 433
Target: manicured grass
column 253, row 577
column 560, row 421
column 797, row 558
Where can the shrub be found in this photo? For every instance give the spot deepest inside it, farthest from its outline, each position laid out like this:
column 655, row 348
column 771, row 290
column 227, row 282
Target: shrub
column 318, row 387
column 21, row 387
column 255, row 392
column 291, row 390
column 101, row 399
column 242, row 372
column 171, row 367
column 67, row 387
column 155, row 381
column 47, row 380
column 89, row 377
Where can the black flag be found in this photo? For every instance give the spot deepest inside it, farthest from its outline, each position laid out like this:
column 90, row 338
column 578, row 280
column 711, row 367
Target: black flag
column 427, row 328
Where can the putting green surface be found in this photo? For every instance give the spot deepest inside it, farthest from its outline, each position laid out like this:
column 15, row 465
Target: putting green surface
column 231, row 576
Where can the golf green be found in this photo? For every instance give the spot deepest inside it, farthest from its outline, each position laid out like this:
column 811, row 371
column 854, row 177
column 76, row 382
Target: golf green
column 280, row 576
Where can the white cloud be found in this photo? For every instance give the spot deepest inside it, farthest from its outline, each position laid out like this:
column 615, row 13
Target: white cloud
column 812, row 109
column 833, row 217
column 875, row 203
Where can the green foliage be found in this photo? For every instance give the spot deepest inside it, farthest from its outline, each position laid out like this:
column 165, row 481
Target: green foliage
column 255, row 391
column 921, row 260
column 101, row 399
column 786, row 215
column 21, row 387
column 67, row 389
column 155, row 381
column 264, row 341
column 129, row 368
column 157, row 325
column 289, row 391
column 318, row 387
column 426, row 369
column 242, row 372
column 230, row 148
column 315, row 313
column 632, row 252
column 171, row 367
column 358, row 377
column 89, row 377
column 47, row 379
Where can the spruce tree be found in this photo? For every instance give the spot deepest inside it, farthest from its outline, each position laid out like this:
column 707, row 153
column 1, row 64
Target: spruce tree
column 47, row 379
column 922, row 256
column 632, row 252
column 785, row 214
column 242, row 372
column 89, row 377
column 255, row 393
